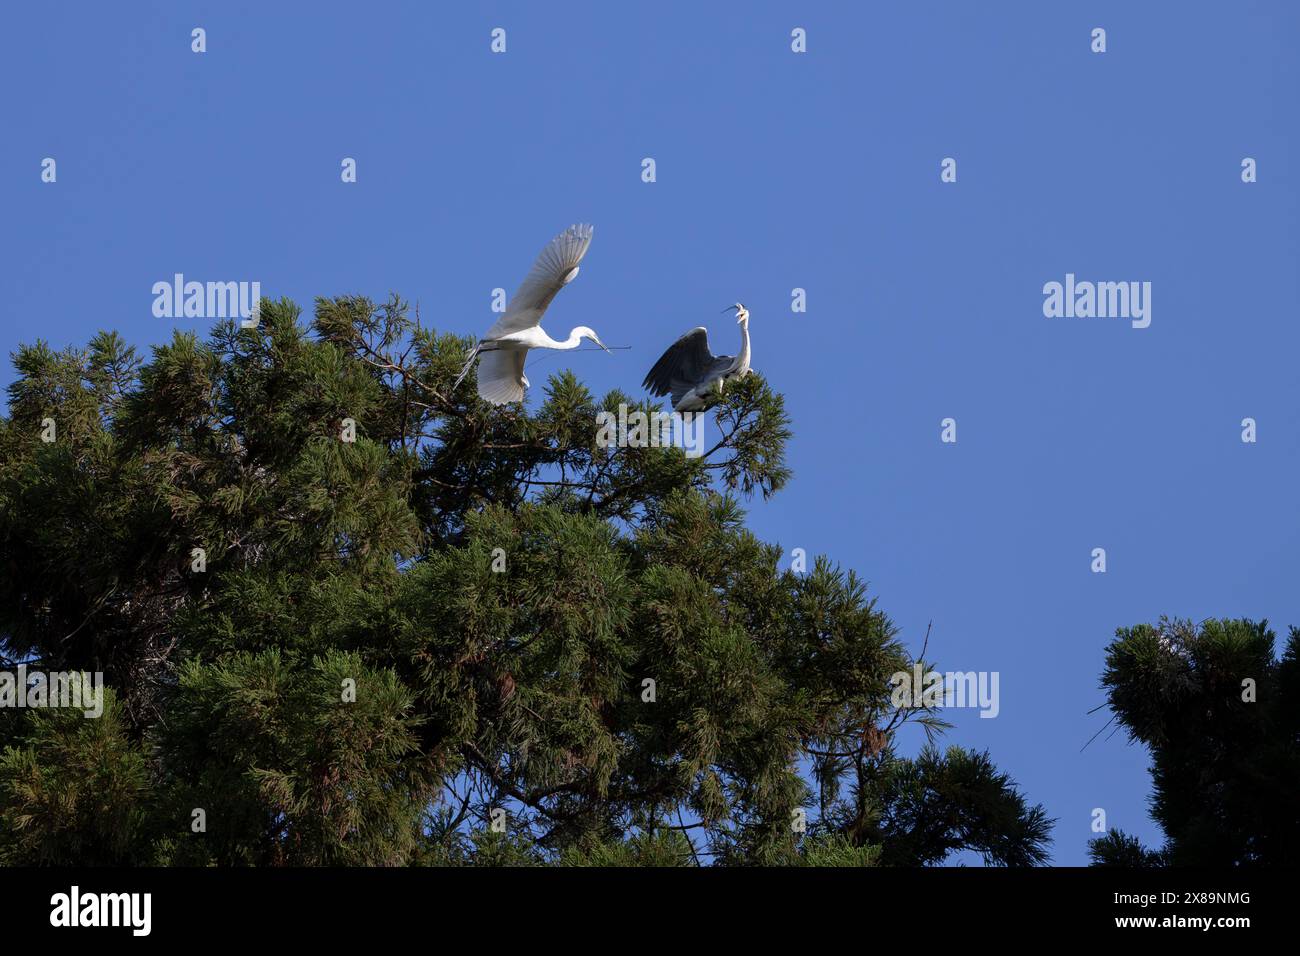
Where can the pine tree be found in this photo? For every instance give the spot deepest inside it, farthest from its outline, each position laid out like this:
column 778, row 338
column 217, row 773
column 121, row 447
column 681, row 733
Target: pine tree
column 351, row 617
column 1220, row 714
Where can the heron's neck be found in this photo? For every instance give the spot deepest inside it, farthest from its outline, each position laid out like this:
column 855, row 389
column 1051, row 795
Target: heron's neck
column 742, row 363
column 542, row 340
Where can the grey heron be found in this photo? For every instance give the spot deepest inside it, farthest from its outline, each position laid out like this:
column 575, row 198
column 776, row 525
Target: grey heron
column 689, row 371
column 504, row 348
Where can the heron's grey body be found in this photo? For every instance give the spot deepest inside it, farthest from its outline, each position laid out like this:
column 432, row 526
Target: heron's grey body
column 689, row 372
column 503, row 350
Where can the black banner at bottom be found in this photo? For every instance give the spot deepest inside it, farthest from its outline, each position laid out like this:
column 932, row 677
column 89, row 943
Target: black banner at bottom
column 334, row 905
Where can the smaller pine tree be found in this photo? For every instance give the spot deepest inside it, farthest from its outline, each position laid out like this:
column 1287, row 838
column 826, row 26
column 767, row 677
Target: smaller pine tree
column 1220, row 714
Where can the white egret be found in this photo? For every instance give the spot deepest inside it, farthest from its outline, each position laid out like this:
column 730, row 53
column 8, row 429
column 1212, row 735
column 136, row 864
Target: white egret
column 502, row 351
column 689, row 371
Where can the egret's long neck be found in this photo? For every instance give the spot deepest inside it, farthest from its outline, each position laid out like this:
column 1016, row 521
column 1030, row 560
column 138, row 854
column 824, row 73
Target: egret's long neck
column 539, row 339
column 743, row 363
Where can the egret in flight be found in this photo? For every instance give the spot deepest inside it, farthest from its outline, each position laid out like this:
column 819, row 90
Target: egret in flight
column 689, row 371
column 502, row 351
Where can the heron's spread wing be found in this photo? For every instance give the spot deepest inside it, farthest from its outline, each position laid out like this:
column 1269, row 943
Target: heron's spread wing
column 500, row 375
column 556, row 265
column 687, row 363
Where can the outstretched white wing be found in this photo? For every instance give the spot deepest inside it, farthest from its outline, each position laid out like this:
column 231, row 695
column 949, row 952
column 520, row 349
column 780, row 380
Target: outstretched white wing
column 501, row 375
column 555, row 267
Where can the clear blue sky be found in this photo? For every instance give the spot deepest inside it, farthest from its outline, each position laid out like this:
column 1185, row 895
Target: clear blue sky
column 775, row 171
